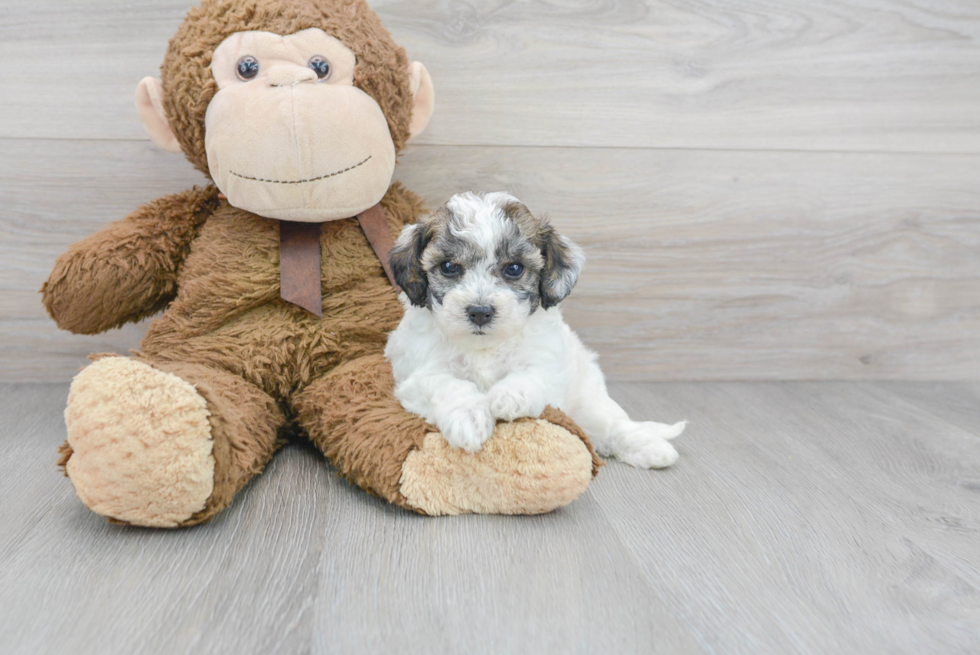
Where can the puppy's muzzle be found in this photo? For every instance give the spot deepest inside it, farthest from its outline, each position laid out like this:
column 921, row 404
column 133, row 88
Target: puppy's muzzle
column 479, row 315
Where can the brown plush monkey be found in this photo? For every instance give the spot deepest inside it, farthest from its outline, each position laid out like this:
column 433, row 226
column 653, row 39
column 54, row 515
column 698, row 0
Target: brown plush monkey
column 295, row 109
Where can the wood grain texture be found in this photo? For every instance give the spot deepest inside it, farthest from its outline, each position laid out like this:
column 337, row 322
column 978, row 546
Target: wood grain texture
column 787, row 482
column 801, row 518
column 959, row 405
column 702, row 264
column 872, row 75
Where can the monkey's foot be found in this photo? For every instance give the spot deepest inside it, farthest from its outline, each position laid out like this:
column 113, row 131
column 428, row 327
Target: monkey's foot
column 140, row 443
column 529, row 466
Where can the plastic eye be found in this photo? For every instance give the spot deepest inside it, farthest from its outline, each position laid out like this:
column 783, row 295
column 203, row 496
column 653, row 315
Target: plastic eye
column 449, row 269
column 513, row 271
column 320, row 66
column 248, row 67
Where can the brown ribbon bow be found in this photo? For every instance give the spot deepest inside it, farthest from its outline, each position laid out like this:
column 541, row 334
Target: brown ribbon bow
column 299, row 256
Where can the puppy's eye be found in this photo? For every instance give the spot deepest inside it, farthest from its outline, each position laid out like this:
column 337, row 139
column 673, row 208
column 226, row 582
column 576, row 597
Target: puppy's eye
column 320, row 66
column 449, row 269
column 247, row 67
column 513, row 271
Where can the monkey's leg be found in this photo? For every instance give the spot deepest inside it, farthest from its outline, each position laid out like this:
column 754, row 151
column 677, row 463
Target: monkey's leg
column 529, row 466
column 164, row 444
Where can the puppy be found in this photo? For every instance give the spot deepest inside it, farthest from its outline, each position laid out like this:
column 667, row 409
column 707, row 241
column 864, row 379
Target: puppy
column 483, row 338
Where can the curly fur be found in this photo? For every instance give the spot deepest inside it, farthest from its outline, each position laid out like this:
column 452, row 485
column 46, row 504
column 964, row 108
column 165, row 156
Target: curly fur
column 485, row 346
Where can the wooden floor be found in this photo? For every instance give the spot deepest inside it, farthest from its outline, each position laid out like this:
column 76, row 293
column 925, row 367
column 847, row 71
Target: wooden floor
column 801, row 518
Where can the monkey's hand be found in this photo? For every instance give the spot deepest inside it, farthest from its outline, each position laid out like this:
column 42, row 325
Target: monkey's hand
column 128, row 270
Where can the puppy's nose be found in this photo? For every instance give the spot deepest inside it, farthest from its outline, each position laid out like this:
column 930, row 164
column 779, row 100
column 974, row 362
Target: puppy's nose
column 480, row 314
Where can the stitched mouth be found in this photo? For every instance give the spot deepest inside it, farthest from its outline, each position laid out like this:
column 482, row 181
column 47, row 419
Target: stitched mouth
column 312, row 179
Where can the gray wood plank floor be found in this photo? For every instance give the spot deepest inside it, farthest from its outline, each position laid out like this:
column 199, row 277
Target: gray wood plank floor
column 801, row 518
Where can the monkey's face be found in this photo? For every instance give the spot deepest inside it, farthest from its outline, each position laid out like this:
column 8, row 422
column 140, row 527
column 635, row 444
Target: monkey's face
column 288, row 135
column 299, row 121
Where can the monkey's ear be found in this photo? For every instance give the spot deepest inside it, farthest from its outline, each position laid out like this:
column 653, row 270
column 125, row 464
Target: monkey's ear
column 149, row 104
column 563, row 261
column 424, row 97
column 406, row 263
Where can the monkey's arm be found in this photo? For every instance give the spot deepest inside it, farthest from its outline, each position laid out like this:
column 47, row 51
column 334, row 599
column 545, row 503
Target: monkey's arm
column 128, row 270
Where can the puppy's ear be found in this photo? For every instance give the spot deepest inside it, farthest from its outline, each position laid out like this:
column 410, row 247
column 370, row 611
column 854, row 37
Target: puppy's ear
column 406, row 262
column 563, row 261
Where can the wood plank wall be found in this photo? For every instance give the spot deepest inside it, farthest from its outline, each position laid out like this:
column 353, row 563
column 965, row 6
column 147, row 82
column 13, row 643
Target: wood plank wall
column 765, row 190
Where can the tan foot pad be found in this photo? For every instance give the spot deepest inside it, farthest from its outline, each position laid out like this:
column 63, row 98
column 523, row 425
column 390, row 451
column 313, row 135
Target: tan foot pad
column 141, row 441
column 529, row 466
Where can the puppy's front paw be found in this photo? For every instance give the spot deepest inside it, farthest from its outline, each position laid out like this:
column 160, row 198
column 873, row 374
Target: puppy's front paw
column 509, row 402
column 652, row 454
column 468, row 426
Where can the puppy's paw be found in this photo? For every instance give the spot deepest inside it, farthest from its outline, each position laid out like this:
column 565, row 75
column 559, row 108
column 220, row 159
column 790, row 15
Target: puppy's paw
column 651, row 454
column 468, row 426
column 644, row 445
column 513, row 401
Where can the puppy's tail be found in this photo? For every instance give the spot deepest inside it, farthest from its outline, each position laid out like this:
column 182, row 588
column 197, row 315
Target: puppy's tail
column 665, row 431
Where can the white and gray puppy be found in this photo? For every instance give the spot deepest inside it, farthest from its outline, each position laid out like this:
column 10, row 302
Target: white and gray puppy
column 483, row 338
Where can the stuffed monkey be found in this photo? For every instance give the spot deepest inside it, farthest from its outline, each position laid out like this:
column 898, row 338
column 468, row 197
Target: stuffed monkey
column 273, row 283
